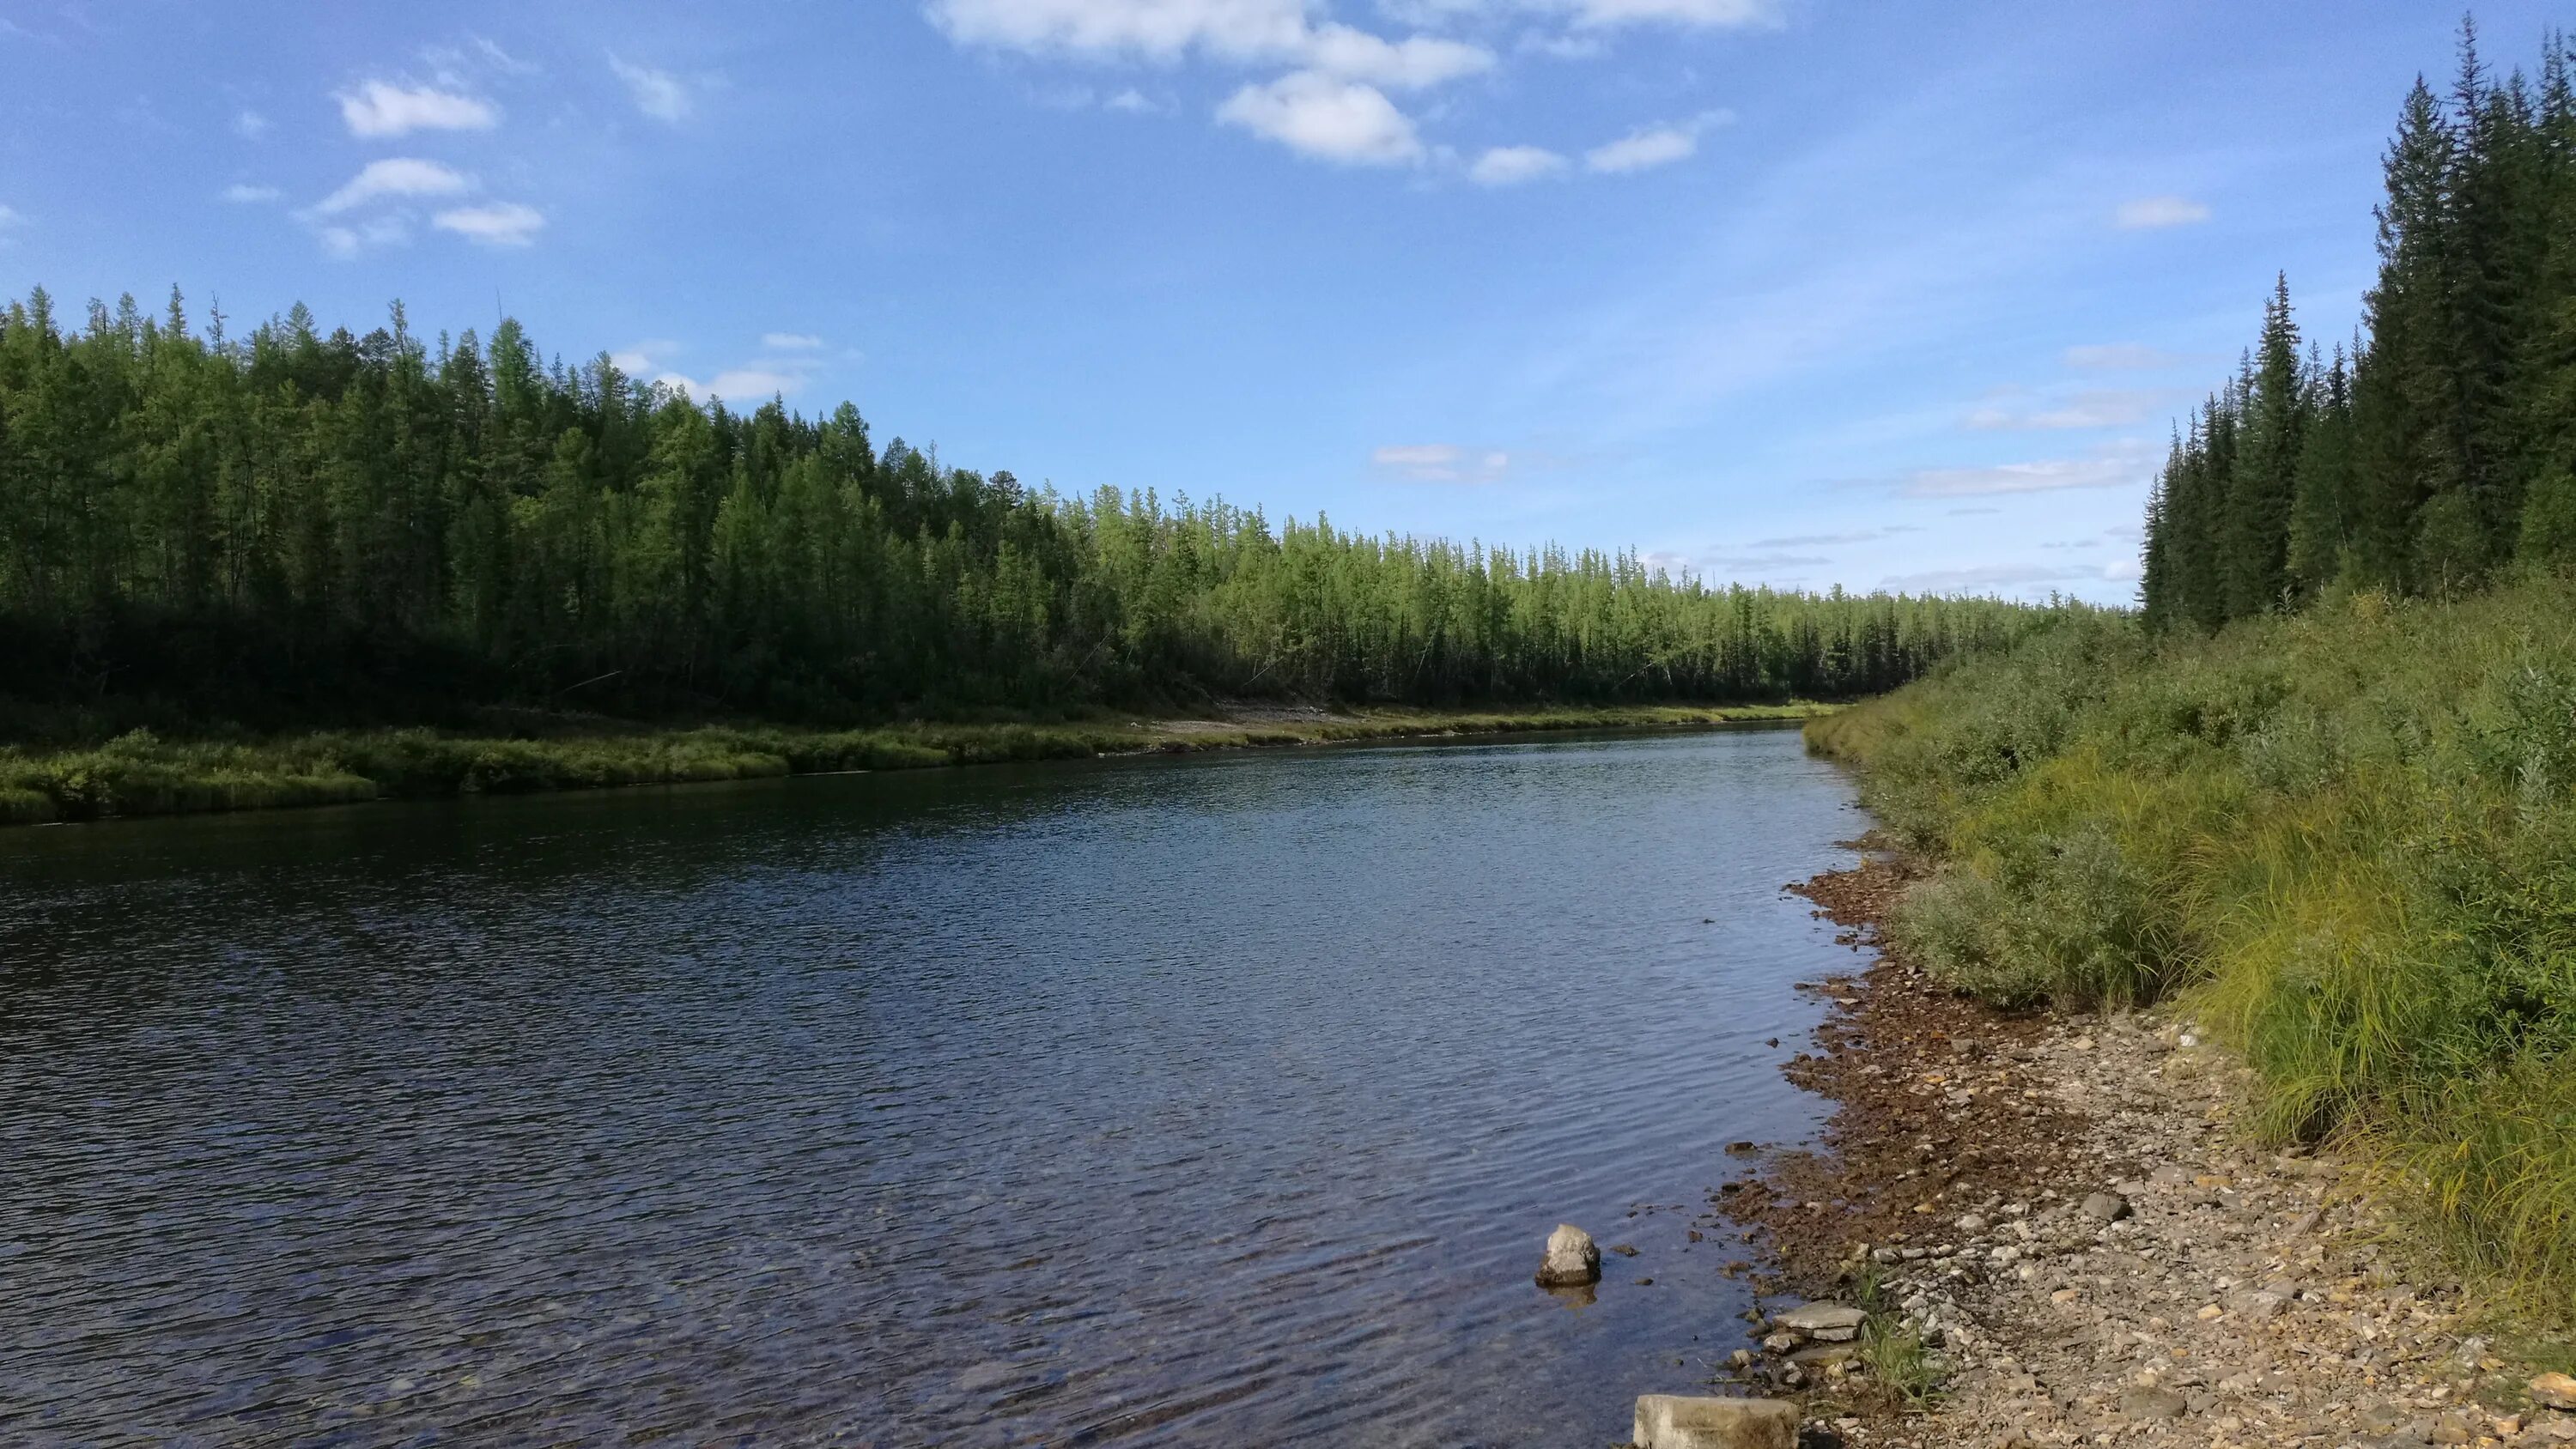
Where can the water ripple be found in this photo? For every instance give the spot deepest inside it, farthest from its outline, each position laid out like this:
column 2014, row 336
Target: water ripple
column 1151, row 1102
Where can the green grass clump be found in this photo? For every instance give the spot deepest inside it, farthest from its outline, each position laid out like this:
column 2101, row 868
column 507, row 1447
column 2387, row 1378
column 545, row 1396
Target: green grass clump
column 2348, row 837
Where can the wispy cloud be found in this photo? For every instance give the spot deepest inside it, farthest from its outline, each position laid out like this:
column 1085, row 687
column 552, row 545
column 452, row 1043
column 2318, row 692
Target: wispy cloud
column 658, row 93
column 2121, row 466
column 1442, row 462
column 341, row 243
column 1764, row 563
column 501, row 224
column 377, row 109
column 1514, row 165
column 1653, row 146
column 250, row 125
column 1984, row 578
column 405, row 176
column 2151, row 212
column 2091, row 408
column 790, row 341
column 1828, row 540
column 242, row 193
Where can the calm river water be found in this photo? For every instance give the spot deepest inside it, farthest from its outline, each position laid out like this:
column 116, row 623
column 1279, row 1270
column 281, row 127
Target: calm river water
column 1175, row 1101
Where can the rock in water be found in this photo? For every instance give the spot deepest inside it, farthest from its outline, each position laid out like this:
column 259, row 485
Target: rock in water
column 1671, row 1421
column 1572, row 1259
column 1823, row 1322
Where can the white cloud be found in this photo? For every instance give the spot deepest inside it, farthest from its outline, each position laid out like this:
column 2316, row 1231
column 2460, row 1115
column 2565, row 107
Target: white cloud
column 1643, row 150
column 395, row 176
column 1132, row 101
column 790, row 341
column 1326, row 117
column 1241, row 32
column 1442, row 462
column 501, row 224
column 10, row 219
column 645, row 356
column 2151, row 212
column 1593, row 14
column 2123, row 355
column 1156, row 29
column 250, row 125
column 1512, row 165
column 379, row 108
column 737, row 385
column 1408, row 64
column 242, row 193
column 1724, row 13
column 658, row 93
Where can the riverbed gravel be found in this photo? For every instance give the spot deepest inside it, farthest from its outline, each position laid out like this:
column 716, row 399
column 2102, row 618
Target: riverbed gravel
column 2073, row 1215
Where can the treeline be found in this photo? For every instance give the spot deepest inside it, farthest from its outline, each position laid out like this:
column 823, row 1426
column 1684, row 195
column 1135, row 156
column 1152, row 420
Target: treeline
column 333, row 517
column 2440, row 448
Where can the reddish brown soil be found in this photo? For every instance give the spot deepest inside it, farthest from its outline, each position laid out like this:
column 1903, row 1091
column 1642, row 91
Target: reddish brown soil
column 1902, row 1156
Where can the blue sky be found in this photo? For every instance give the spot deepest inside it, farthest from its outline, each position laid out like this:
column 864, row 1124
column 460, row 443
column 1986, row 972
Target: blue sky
column 1789, row 291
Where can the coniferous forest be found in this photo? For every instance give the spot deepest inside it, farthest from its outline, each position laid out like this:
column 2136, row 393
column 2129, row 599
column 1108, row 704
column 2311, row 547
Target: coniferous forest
column 2327, row 798
column 294, row 520
column 2438, row 448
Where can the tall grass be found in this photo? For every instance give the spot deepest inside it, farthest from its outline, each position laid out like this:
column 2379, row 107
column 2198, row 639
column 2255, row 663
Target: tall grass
column 2347, row 837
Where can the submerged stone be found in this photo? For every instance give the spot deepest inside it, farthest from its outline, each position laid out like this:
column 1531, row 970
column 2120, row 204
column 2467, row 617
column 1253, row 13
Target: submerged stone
column 1572, row 1259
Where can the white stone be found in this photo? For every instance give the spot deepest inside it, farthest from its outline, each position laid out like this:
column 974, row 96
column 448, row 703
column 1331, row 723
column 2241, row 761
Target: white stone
column 1572, row 1259
column 1671, row 1421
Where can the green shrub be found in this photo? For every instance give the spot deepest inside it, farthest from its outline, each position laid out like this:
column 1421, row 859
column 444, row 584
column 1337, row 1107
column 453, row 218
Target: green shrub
column 2350, row 836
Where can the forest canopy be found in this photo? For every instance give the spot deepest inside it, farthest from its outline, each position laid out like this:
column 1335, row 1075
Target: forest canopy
column 342, row 522
column 2438, row 449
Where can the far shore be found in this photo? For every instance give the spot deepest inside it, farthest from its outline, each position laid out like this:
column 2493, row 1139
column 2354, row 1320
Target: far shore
column 141, row 774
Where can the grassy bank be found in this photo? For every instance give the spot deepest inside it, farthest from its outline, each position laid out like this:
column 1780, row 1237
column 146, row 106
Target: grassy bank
column 142, row 774
column 2348, row 837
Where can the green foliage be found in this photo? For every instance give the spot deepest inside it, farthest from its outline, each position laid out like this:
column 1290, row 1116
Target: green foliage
column 2349, row 835
column 139, row 774
column 2442, row 447
column 291, row 527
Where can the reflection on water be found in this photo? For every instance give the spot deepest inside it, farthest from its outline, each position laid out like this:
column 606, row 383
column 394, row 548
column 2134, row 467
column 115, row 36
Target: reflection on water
column 1152, row 1102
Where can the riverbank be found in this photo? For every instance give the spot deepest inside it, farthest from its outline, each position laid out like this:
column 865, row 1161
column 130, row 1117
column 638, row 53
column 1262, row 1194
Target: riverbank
column 142, row 774
column 2071, row 1212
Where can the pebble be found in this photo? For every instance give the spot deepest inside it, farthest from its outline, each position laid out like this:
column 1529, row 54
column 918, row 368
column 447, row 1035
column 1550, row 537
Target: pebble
column 2107, row 1207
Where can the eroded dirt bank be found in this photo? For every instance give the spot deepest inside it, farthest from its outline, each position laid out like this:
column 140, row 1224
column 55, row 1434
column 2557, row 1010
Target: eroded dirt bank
column 2063, row 1207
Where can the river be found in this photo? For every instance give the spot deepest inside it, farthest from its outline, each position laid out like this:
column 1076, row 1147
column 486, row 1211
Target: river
column 1218, row 1099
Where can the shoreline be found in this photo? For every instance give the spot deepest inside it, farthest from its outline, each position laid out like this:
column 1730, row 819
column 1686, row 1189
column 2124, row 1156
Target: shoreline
column 139, row 775
column 2063, row 1209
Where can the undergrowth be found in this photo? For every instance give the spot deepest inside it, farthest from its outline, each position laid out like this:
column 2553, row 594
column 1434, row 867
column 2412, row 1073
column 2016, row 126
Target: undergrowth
column 2346, row 837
